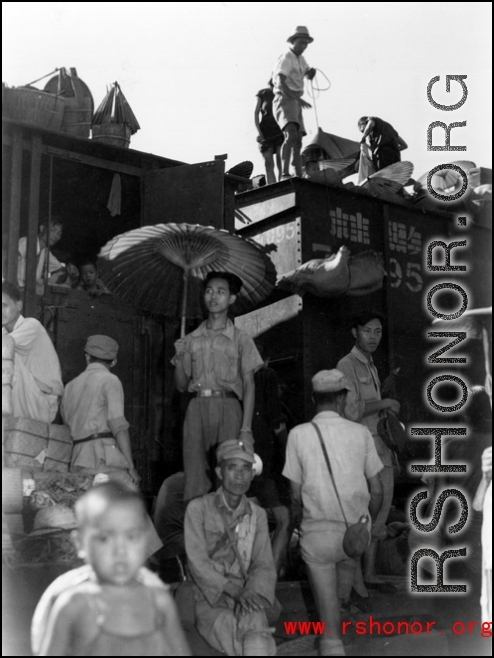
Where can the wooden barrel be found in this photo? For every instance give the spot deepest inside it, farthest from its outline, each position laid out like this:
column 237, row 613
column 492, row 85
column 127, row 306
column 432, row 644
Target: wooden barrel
column 77, row 120
column 116, row 134
column 31, row 105
column 78, row 107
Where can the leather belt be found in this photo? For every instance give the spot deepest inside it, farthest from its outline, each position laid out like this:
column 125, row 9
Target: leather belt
column 93, row 437
column 211, row 393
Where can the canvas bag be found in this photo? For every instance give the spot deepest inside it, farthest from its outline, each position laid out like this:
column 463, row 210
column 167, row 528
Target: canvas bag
column 357, row 536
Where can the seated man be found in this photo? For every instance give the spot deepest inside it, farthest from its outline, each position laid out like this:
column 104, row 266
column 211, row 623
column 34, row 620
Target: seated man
column 89, row 279
column 230, row 559
column 49, row 234
column 37, row 383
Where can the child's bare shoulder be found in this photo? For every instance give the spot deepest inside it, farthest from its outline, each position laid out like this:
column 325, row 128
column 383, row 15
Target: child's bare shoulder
column 74, row 601
column 164, row 598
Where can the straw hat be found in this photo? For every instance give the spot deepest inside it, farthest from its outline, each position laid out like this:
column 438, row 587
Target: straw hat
column 52, row 519
column 301, row 32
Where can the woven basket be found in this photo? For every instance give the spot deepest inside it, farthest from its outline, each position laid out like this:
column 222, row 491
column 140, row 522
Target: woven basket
column 25, row 439
column 34, row 106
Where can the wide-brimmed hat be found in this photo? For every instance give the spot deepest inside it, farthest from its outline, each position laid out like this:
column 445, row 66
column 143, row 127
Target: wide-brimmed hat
column 301, row 32
column 329, row 381
column 53, row 519
column 234, row 448
column 102, row 347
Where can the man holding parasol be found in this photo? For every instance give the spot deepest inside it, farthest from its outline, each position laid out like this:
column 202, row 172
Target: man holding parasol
column 216, row 364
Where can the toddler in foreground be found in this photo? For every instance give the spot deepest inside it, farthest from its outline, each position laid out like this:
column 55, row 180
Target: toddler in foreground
column 113, row 606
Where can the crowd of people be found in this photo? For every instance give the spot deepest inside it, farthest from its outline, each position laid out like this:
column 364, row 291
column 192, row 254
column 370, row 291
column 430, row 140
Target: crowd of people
column 234, row 414
column 280, row 125
column 243, row 462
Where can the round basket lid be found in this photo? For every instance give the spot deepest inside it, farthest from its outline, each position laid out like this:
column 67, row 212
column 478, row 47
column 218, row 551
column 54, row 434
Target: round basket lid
column 52, row 87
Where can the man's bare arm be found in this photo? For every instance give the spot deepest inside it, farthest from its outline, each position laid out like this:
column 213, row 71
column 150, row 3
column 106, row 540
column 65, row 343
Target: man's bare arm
column 376, row 495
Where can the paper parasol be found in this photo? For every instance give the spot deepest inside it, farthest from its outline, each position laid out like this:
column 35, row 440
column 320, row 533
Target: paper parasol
column 161, row 268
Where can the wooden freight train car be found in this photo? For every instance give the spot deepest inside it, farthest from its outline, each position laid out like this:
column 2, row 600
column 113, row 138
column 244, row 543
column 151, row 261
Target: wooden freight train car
column 298, row 220
column 48, row 173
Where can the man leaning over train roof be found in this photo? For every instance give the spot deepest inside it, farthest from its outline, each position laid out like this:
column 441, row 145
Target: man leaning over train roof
column 216, row 364
column 37, row 385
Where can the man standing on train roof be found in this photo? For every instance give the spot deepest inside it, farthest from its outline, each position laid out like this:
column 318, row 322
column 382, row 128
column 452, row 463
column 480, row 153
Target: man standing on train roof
column 288, row 78
column 216, row 364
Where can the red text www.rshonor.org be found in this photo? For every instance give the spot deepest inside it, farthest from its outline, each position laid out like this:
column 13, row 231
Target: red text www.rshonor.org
column 374, row 627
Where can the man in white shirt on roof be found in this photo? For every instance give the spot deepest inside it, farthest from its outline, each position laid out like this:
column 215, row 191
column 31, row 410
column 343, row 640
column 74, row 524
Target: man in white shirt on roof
column 288, row 78
column 37, row 376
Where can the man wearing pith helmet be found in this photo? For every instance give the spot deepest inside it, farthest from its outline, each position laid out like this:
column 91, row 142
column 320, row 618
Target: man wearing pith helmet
column 93, row 408
column 355, row 466
column 230, row 559
column 288, row 79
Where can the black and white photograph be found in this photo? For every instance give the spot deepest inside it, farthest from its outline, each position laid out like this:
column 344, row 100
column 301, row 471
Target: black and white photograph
column 246, row 329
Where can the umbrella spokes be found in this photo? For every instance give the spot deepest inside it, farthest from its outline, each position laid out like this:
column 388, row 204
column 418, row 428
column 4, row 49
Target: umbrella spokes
column 161, row 267
column 190, row 254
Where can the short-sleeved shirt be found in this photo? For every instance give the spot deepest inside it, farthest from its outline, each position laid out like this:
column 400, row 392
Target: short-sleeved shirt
column 353, row 459
column 366, row 387
column 294, row 68
column 222, row 362
column 42, row 254
column 92, row 403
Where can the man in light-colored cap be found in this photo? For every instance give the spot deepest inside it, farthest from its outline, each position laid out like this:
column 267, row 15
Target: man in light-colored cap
column 93, row 408
column 230, row 559
column 355, row 466
column 288, row 79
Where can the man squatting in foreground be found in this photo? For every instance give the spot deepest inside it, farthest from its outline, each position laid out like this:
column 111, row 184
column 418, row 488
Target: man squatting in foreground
column 216, row 364
column 229, row 556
